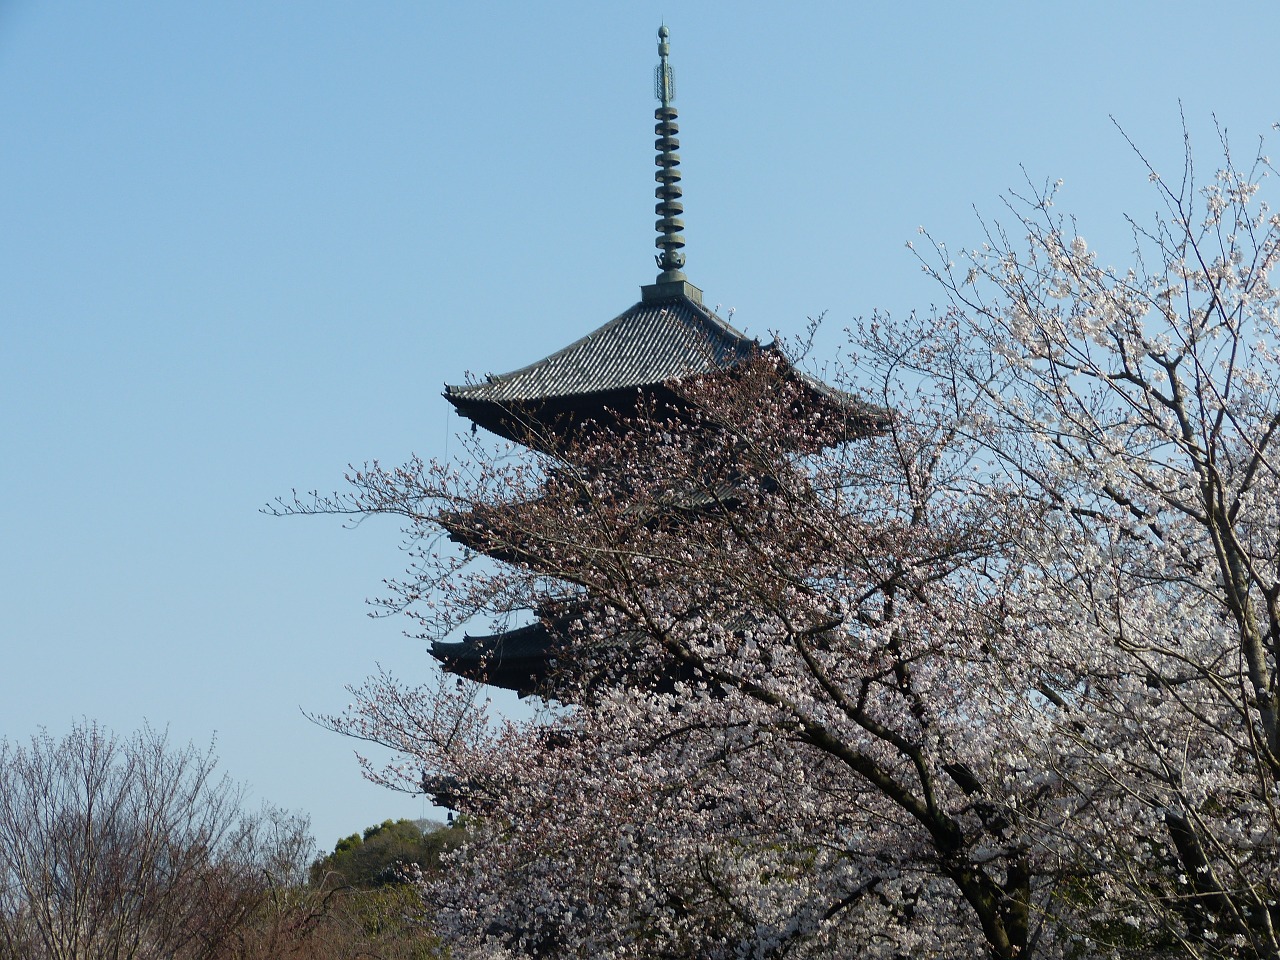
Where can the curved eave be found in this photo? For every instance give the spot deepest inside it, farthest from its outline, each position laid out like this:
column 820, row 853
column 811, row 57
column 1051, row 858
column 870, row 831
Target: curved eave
column 520, row 660
column 545, row 423
column 854, row 419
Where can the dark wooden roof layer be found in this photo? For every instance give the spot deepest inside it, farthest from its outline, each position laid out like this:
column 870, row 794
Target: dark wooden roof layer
column 519, row 659
column 603, row 376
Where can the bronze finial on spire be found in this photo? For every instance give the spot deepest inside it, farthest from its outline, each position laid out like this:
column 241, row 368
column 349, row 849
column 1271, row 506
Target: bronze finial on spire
column 664, row 78
column 669, row 207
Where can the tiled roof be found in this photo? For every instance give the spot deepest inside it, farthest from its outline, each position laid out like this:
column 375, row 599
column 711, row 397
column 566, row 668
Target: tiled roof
column 648, row 344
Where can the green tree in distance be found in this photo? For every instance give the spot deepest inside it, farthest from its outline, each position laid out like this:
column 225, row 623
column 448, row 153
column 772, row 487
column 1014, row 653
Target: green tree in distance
column 385, row 854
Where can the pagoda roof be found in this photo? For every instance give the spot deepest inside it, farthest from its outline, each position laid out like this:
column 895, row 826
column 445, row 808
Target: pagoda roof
column 648, row 343
column 519, row 659
column 652, row 343
column 525, row 659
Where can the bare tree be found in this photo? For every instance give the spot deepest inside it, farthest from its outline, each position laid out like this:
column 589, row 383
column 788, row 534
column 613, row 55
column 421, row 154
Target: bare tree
column 121, row 847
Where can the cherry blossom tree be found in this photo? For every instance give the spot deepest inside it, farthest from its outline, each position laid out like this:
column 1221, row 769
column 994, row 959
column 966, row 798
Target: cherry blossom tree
column 1143, row 403
column 792, row 718
column 998, row 677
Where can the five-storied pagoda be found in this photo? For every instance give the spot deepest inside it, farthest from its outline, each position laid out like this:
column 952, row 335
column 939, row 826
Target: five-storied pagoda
column 631, row 363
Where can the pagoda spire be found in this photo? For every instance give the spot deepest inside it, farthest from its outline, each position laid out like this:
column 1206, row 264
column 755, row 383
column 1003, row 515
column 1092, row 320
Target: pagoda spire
column 671, row 260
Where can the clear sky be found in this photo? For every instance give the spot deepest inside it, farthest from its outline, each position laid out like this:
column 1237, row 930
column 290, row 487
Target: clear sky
column 244, row 244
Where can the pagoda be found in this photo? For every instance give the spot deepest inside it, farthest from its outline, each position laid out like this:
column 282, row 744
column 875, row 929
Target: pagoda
column 632, row 363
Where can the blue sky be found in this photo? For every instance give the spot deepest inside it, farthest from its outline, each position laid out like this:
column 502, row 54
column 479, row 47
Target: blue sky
column 243, row 245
